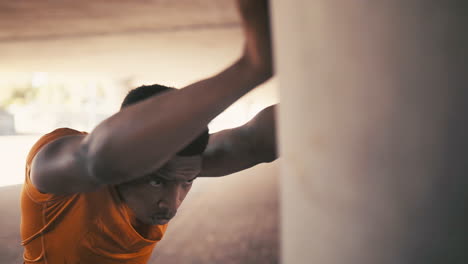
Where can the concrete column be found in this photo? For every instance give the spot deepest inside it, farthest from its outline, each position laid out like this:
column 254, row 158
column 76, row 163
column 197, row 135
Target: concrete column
column 373, row 130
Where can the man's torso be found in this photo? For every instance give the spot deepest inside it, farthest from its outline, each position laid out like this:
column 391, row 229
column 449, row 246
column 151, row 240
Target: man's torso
column 93, row 227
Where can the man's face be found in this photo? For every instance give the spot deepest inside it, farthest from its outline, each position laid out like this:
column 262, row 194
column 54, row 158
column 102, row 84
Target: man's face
column 155, row 198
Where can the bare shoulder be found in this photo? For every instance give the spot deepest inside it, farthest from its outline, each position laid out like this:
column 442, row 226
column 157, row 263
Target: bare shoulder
column 48, row 138
column 54, row 163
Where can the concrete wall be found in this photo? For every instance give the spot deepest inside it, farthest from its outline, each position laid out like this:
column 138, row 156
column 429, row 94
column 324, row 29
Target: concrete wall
column 373, row 130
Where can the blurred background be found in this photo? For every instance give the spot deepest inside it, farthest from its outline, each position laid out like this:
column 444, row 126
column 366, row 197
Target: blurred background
column 70, row 63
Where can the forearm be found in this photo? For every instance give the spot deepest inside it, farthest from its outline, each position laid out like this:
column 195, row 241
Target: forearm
column 228, row 151
column 240, row 148
column 142, row 137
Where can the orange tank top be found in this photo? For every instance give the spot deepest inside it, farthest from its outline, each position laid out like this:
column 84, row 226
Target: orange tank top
column 87, row 228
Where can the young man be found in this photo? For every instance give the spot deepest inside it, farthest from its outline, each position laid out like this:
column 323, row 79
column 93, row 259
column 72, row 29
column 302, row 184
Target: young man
column 107, row 196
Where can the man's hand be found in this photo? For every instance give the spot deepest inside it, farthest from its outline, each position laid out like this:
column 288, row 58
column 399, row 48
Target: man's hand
column 256, row 24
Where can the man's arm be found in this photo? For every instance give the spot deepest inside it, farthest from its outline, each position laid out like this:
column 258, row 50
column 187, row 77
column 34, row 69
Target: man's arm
column 142, row 137
column 236, row 149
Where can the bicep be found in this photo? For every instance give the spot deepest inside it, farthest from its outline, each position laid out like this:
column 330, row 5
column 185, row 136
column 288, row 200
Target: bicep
column 263, row 131
column 60, row 167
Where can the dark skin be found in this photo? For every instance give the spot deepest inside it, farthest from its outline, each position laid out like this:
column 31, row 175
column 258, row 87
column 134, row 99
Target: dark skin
column 153, row 181
column 154, row 199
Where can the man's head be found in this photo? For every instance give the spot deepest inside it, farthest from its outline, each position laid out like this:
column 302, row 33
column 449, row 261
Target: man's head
column 156, row 197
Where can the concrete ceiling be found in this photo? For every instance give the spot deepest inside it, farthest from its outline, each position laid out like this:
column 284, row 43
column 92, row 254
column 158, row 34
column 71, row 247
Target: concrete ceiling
column 118, row 36
column 23, row 20
column 126, row 42
column 121, row 43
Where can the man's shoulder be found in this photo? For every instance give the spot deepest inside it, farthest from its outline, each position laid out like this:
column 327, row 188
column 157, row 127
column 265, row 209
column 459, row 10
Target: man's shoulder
column 60, row 132
column 63, row 131
column 49, row 137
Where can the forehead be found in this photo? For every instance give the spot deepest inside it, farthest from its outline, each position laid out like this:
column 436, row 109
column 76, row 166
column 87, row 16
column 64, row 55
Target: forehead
column 180, row 168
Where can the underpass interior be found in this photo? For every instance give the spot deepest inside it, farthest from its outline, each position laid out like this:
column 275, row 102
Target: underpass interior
column 98, row 50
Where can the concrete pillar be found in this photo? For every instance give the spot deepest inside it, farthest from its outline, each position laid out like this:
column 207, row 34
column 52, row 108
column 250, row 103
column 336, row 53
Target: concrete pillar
column 373, row 130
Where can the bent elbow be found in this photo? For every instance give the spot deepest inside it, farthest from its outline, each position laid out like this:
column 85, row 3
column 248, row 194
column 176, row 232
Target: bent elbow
column 101, row 163
column 102, row 169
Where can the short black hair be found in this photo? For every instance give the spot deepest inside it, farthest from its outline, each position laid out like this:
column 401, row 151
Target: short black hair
column 197, row 146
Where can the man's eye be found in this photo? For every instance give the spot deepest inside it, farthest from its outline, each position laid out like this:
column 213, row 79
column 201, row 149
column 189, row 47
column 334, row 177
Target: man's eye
column 155, row 182
column 189, row 181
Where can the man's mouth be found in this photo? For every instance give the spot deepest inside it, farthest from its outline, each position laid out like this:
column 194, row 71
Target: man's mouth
column 159, row 220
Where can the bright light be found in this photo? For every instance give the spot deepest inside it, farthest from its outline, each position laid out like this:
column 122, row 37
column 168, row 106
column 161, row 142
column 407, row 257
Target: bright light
column 39, row 79
column 13, row 152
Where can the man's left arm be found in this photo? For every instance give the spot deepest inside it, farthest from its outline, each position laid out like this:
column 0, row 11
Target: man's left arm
column 240, row 148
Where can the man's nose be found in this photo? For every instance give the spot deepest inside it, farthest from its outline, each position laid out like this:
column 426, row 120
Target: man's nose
column 170, row 200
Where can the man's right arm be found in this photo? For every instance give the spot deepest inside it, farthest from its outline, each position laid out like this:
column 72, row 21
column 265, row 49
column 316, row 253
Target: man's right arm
column 142, row 137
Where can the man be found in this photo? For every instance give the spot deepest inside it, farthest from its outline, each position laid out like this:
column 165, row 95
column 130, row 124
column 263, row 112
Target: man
column 107, row 196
